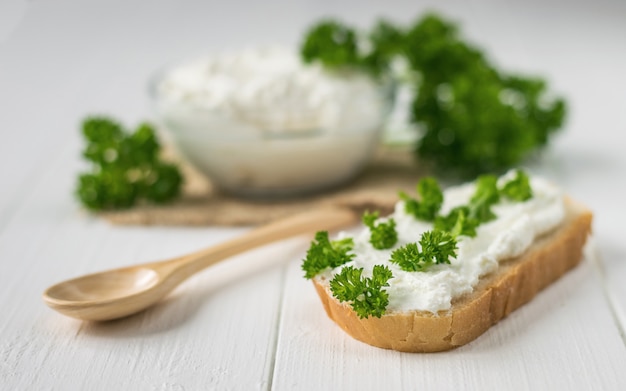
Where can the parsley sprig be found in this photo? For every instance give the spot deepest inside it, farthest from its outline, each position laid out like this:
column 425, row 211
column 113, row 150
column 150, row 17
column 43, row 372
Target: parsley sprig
column 485, row 196
column 431, row 199
column 475, row 118
column 518, row 188
column 436, row 247
column 458, row 222
column 126, row 167
column 331, row 43
column 325, row 253
column 366, row 295
column 383, row 235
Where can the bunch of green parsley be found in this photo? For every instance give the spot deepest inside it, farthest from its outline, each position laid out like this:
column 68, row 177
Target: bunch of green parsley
column 125, row 167
column 474, row 117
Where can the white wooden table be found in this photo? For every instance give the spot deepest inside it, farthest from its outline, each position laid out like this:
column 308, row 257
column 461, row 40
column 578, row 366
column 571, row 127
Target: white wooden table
column 261, row 326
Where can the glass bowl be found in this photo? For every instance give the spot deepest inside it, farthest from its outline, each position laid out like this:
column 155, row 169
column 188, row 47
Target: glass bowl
column 250, row 154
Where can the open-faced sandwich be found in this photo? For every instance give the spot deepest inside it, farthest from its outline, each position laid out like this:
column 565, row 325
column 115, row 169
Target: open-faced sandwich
column 446, row 266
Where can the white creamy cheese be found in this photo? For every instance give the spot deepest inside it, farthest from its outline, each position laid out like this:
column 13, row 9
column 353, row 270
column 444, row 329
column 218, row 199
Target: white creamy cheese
column 516, row 227
column 271, row 89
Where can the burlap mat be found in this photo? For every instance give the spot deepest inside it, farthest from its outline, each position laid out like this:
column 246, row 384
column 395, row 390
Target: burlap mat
column 392, row 169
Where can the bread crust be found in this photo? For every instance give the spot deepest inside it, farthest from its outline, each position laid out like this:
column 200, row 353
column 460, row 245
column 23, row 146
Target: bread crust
column 514, row 283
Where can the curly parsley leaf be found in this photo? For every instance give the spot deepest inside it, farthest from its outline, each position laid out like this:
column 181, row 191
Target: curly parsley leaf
column 331, row 43
column 436, row 247
column 518, row 188
column 369, row 219
column 106, row 189
column 325, row 253
column 126, row 167
column 431, row 199
column 161, row 183
column 387, row 42
column 383, row 234
column 366, row 295
column 485, row 196
column 408, row 258
column 458, row 222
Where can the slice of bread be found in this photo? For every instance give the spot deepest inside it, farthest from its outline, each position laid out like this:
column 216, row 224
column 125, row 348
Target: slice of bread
column 514, row 283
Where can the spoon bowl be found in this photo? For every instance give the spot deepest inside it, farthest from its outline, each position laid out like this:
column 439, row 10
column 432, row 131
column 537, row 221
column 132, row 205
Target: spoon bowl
column 121, row 292
column 106, row 295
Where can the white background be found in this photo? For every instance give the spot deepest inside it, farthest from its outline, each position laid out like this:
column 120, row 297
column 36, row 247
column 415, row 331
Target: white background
column 255, row 323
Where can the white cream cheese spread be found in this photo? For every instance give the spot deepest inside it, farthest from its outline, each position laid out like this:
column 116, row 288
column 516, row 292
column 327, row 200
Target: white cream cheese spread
column 516, row 227
column 270, row 88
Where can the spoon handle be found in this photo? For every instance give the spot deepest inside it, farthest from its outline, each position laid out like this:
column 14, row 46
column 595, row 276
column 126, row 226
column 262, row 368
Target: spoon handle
column 314, row 220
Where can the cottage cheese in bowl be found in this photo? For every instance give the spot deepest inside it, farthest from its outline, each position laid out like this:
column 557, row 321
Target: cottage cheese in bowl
column 260, row 122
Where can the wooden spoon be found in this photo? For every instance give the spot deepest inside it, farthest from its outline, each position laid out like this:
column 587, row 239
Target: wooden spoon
column 121, row 292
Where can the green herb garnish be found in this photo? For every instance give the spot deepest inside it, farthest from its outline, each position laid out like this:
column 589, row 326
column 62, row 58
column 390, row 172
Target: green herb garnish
column 325, row 253
column 436, row 247
column 408, row 258
column 431, row 199
column 387, row 41
column 366, row 295
column 485, row 196
column 474, row 117
column 518, row 188
column 458, row 222
column 331, row 43
column 382, row 235
column 126, row 167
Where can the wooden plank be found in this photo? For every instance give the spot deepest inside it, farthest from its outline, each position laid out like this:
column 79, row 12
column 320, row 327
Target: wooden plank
column 564, row 339
column 42, row 101
column 197, row 338
column 589, row 169
column 217, row 331
column 611, row 262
